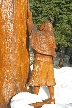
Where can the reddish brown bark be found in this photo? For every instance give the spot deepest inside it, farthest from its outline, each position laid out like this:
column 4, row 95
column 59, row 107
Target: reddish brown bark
column 14, row 60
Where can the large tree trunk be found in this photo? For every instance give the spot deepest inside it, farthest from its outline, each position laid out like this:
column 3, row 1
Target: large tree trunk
column 62, row 52
column 14, row 60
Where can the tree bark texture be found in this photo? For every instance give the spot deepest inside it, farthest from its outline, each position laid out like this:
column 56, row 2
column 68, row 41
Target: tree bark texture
column 14, row 59
column 62, row 53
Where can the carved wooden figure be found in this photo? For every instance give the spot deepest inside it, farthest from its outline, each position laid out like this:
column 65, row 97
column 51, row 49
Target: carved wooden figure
column 14, row 60
column 43, row 44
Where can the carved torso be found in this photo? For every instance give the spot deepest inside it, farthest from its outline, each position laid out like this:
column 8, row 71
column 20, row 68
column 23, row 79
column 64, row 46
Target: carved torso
column 43, row 42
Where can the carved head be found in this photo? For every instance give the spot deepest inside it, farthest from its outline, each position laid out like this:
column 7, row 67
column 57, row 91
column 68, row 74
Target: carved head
column 47, row 25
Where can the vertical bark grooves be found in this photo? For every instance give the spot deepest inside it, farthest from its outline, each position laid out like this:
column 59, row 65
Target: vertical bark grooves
column 62, row 52
column 14, row 60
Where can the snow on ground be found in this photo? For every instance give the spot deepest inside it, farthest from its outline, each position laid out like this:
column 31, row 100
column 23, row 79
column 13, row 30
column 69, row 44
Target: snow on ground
column 63, row 88
column 63, row 92
column 22, row 99
column 57, row 106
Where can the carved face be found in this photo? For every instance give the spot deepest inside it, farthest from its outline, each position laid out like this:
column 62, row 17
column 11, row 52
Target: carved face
column 46, row 26
column 42, row 26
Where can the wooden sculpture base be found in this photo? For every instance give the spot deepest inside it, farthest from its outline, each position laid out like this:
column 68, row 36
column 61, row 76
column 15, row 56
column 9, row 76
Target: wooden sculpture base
column 39, row 104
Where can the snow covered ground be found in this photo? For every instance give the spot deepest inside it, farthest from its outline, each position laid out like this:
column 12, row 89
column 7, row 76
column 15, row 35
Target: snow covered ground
column 63, row 92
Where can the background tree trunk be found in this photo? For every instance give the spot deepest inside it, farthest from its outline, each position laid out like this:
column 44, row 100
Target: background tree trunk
column 14, row 60
column 62, row 52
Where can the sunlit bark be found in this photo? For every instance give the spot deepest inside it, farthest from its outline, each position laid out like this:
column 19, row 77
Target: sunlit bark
column 14, row 60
